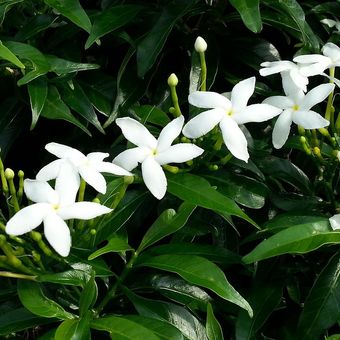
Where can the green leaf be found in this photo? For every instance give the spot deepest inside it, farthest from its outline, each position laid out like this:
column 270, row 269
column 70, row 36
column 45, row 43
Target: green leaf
column 88, row 296
column 77, row 329
column 55, row 108
column 39, row 65
column 149, row 48
column 321, row 308
column 33, row 298
column 151, row 114
column 197, row 190
column 116, row 244
column 5, row 6
column 298, row 239
column 19, row 319
column 123, row 328
column 199, row 271
column 74, row 277
column 37, row 90
column 63, row 66
column 166, row 224
column 6, row 54
column 250, row 13
column 214, row 330
column 72, row 10
column 110, row 20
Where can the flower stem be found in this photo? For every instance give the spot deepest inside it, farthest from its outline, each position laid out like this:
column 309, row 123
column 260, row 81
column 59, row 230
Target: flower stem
column 329, row 114
column 3, row 179
column 177, row 110
column 203, row 86
column 18, row 276
column 9, row 174
column 81, row 193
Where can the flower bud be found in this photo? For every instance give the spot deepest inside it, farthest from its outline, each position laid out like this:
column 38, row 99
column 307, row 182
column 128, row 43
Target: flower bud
column 200, row 45
column 9, row 174
column 172, row 80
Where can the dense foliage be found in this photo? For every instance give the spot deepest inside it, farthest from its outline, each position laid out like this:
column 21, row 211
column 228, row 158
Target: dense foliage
column 240, row 246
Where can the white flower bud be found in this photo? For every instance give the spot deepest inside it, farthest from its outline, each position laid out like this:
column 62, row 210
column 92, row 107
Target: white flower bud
column 172, row 80
column 200, row 45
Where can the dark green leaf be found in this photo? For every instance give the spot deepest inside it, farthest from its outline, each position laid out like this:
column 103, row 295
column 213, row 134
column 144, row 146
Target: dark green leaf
column 78, row 329
column 88, row 296
column 6, row 54
column 151, row 114
column 5, row 6
column 62, row 66
column 199, row 271
column 74, row 277
column 72, row 10
column 214, row 330
column 37, row 90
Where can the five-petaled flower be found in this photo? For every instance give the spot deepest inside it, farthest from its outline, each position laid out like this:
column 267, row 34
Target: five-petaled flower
column 52, row 208
column 88, row 167
column 335, row 221
column 153, row 153
column 228, row 114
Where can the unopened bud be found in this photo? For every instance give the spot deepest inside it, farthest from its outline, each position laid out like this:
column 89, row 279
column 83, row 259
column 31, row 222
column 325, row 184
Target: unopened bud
column 172, row 80
column 93, row 232
column 9, row 174
column 200, row 45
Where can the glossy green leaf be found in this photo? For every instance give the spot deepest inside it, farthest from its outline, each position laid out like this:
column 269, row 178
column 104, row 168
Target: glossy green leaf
column 37, row 90
column 151, row 114
column 19, row 319
column 198, row 191
column 199, row 271
column 321, row 308
column 115, row 244
column 250, row 13
column 55, row 108
column 33, row 299
column 298, row 239
column 214, row 330
column 6, row 54
column 149, row 48
column 110, row 20
column 5, row 6
column 123, row 328
column 166, row 224
column 62, row 66
column 38, row 63
column 72, row 10
column 88, row 296
column 76, row 329
column 74, row 277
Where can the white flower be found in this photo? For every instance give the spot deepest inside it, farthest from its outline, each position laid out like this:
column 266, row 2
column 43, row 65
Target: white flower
column 52, row 208
column 286, row 69
column 153, row 153
column 296, row 108
column 200, row 45
column 228, row 114
column 331, row 23
column 335, row 221
column 88, row 167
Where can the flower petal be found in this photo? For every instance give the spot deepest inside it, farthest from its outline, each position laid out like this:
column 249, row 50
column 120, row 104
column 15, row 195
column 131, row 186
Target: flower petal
column 57, row 234
column 234, row 138
column 83, row 211
column 282, row 128
column 40, row 192
column 93, row 177
column 154, row 177
column 309, row 119
column 335, row 221
column 179, row 153
column 169, row 133
column 315, row 96
column 281, row 102
column 256, row 113
column 290, row 86
column 203, row 123
column 332, row 51
column 50, row 171
column 27, row 219
column 301, row 81
column 272, row 67
column 241, row 93
column 97, row 157
column 130, row 158
column 64, row 151
column 136, row 133
column 111, row 168
column 209, row 100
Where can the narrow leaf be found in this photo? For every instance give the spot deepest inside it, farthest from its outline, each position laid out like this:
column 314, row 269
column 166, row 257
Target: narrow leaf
column 37, row 90
column 6, row 54
column 214, row 330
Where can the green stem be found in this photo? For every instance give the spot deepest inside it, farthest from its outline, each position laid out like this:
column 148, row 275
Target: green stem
column 81, row 193
column 3, row 179
column 203, row 72
column 329, row 114
column 127, row 181
column 18, row 276
column 174, row 98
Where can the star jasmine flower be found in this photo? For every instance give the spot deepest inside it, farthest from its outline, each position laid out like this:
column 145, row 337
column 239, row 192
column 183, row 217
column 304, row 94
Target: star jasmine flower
column 296, row 106
column 88, row 167
column 335, row 222
column 228, row 114
column 331, row 23
column 153, row 153
column 52, row 208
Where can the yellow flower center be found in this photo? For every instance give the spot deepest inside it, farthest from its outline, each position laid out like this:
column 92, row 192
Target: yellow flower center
column 55, row 206
column 154, row 152
column 296, row 107
column 230, row 112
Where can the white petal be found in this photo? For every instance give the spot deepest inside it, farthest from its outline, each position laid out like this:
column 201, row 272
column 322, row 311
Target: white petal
column 203, row 123
column 67, row 183
column 83, row 211
column 241, row 93
column 256, row 113
column 136, row 133
column 281, row 102
column 309, row 119
column 40, row 192
column 111, row 168
column 234, row 138
column 64, row 151
column 179, row 153
column 282, row 128
column 291, row 89
column 130, row 158
column 97, row 157
column 93, row 177
column 316, row 95
column 335, row 222
column 310, row 59
column 50, row 171
column 335, row 80
column 154, row 177
column 57, row 234
column 332, row 51
column 209, row 100
column 300, row 80
column 27, row 219
column 272, row 67
column 169, row 133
